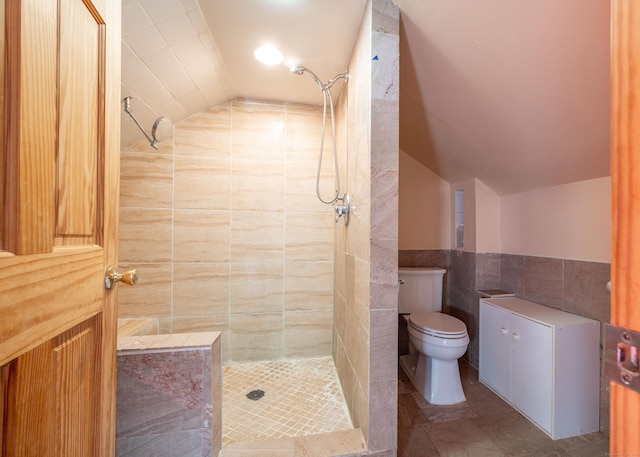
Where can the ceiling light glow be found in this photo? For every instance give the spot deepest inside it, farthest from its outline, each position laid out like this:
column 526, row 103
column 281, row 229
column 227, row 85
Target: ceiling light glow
column 268, row 55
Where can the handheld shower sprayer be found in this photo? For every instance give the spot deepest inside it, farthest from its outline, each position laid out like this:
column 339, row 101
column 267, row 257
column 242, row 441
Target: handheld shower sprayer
column 323, row 87
column 343, row 209
column 301, row 70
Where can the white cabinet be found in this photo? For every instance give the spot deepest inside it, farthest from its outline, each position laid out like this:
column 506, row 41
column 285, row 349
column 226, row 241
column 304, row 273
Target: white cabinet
column 544, row 362
column 532, row 369
column 495, row 361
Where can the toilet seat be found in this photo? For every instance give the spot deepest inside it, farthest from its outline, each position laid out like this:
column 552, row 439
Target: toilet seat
column 438, row 324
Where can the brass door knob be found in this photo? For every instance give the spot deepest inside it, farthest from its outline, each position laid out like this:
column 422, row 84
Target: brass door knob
column 111, row 277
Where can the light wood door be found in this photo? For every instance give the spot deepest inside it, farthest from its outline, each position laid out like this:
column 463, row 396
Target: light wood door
column 59, row 183
column 625, row 220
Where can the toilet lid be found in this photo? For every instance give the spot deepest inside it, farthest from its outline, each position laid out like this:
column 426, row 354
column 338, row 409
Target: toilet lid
column 437, row 324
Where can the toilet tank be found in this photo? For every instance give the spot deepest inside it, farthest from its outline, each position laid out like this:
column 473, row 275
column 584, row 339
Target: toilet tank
column 420, row 289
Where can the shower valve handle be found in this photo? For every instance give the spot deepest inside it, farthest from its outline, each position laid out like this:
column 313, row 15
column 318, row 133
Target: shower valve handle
column 343, row 210
column 111, row 277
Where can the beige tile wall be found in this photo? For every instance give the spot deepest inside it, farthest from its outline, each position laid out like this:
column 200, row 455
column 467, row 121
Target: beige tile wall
column 366, row 252
column 226, row 231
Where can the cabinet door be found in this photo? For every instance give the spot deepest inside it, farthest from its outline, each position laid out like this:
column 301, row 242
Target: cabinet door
column 494, row 348
column 531, row 369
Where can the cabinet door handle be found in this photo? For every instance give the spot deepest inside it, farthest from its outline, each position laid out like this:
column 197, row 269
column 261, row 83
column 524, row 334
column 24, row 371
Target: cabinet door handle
column 503, row 331
column 515, row 337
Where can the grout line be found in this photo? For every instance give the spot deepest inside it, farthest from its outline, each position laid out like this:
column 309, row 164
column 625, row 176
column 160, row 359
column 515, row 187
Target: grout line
column 302, row 397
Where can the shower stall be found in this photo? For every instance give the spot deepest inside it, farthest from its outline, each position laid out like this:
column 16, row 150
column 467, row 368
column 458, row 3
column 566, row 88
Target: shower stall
column 224, row 226
column 239, row 230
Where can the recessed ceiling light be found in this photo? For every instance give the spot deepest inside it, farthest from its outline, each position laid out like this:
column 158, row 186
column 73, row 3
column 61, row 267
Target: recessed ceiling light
column 268, row 55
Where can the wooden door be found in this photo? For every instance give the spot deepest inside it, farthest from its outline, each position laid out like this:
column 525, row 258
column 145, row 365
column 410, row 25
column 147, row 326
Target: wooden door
column 59, row 182
column 625, row 205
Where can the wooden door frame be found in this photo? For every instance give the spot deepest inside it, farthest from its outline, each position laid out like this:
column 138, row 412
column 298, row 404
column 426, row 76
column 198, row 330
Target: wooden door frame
column 107, row 422
column 625, row 208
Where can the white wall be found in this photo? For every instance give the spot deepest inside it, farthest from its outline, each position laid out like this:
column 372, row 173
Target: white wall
column 424, row 207
column 570, row 221
column 487, row 213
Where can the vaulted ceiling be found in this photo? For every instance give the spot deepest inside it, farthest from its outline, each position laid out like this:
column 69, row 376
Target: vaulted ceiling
column 513, row 93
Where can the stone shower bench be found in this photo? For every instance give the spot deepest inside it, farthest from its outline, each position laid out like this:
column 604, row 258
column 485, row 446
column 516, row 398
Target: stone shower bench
column 169, row 395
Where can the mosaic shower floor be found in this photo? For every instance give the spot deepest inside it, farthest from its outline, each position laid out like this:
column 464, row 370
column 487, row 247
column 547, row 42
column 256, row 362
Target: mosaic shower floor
column 301, row 397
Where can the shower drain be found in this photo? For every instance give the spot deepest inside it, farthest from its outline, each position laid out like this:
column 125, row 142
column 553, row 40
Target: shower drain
column 255, row 395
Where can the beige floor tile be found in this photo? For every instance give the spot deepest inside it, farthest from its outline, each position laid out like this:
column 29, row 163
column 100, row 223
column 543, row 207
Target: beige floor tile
column 301, row 397
column 272, row 448
column 344, row 443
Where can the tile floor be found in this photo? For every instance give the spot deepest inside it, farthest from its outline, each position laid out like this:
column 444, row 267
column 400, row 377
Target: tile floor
column 302, row 397
column 483, row 426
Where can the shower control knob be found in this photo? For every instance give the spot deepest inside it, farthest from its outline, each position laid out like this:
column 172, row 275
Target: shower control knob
column 111, row 277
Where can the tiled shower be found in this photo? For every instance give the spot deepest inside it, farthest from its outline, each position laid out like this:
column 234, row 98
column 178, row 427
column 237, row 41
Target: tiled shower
column 227, row 233
column 224, row 226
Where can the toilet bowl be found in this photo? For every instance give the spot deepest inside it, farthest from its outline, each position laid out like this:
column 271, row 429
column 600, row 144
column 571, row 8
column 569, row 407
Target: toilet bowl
column 436, row 340
column 439, row 341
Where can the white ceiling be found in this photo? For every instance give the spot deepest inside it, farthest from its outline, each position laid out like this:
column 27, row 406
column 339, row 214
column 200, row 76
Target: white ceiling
column 170, row 64
column 514, row 93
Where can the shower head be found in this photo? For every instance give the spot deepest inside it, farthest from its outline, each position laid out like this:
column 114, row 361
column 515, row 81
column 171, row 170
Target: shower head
column 161, row 127
column 300, row 70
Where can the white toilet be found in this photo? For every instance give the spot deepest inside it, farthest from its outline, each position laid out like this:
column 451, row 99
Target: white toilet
column 436, row 340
